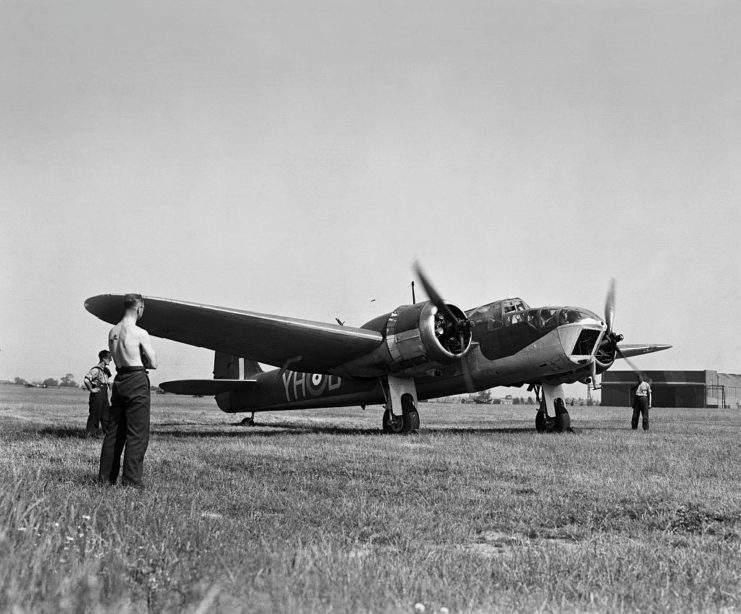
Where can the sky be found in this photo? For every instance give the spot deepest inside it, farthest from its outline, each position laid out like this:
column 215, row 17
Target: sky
column 296, row 158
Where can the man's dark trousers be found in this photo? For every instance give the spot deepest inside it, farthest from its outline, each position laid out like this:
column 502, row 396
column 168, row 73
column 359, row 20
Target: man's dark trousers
column 128, row 427
column 640, row 406
column 98, row 412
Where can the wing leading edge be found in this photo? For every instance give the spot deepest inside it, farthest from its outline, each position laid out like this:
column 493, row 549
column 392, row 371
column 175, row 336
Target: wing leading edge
column 301, row 345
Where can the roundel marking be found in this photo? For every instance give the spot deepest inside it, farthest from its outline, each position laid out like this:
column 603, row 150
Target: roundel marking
column 317, row 384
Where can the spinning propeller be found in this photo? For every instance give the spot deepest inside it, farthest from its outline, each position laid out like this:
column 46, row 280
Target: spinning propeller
column 461, row 326
column 609, row 348
column 437, row 300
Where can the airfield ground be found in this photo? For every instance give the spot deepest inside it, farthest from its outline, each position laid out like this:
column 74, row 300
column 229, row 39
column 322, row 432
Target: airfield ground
column 319, row 512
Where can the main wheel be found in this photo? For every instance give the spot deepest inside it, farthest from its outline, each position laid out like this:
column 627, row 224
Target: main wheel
column 392, row 423
column 562, row 422
column 409, row 413
column 411, row 421
column 540, row 421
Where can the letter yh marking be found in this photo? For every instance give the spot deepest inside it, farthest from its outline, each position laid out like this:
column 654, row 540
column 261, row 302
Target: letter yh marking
column 301, row 385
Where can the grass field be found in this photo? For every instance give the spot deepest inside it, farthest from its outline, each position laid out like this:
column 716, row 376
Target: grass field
column 319, row 512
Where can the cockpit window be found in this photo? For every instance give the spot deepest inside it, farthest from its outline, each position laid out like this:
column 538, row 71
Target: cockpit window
column 514, row 318
column 498, row 314
column 569, row 316
column 548, row 317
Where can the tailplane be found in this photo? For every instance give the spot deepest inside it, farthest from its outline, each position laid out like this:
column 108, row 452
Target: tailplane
column 231, row 374
column 202, row 387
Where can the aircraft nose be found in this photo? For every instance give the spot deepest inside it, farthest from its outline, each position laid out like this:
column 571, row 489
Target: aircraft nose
column 568, row 335
column 579, row 332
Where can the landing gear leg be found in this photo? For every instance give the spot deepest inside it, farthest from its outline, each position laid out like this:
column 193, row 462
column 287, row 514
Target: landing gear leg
column 552, row 397
column 401, row 415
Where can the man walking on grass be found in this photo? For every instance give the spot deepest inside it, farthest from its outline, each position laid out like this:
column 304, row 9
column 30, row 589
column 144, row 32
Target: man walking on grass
column 128, row 426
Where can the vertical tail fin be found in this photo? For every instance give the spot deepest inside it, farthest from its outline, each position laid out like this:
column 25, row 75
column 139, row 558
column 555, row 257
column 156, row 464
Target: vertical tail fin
column 233, row 367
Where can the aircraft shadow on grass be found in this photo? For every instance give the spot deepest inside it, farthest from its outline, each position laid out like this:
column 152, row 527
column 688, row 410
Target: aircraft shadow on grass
column 279, row 429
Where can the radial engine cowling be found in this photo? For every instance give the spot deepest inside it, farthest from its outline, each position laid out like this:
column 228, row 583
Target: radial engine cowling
column 604, row 357
column 421, row 334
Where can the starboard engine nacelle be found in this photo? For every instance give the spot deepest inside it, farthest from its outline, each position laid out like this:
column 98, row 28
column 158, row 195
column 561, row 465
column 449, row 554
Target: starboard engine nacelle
column 418, row 335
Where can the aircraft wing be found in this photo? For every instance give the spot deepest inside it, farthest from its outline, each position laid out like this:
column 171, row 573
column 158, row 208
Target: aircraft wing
column 301, row 345
column 636, row 349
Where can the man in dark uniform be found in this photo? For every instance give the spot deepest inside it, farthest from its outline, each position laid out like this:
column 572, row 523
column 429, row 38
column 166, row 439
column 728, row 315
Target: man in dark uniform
column 641, row 403
column 96, row 381
column 128, row 424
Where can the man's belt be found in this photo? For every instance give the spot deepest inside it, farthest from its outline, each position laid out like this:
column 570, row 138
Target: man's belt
column 129, row 369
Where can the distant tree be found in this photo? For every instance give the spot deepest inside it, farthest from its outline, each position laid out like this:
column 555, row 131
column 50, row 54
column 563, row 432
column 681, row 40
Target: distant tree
column 50, row 382
column 19, row 381
column 530, row 401
column 515, row 400
column 68, row 381
column 482, row 397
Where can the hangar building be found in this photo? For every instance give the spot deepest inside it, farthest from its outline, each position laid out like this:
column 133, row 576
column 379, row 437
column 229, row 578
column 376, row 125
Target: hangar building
column 675, row 388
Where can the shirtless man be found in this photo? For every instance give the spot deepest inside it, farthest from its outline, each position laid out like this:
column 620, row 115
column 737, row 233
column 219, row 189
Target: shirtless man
column 128, row 422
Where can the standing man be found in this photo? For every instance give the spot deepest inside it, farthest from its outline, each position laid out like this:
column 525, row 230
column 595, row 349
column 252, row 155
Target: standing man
column 97, row 381
column 129, row 413
column 641, row 403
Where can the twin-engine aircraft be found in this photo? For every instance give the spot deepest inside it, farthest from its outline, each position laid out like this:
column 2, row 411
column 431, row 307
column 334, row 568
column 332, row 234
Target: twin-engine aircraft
column 420, row 351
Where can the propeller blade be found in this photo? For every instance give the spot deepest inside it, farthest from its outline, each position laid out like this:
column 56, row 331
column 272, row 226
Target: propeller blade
column 610, row 306
column 434, row 295
column 635, row 369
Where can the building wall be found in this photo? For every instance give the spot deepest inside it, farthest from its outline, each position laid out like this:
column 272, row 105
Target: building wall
column 726, row 389
column 675, row 388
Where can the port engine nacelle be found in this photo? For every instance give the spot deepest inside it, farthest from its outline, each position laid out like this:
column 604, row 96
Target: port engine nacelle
column 416, row 338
